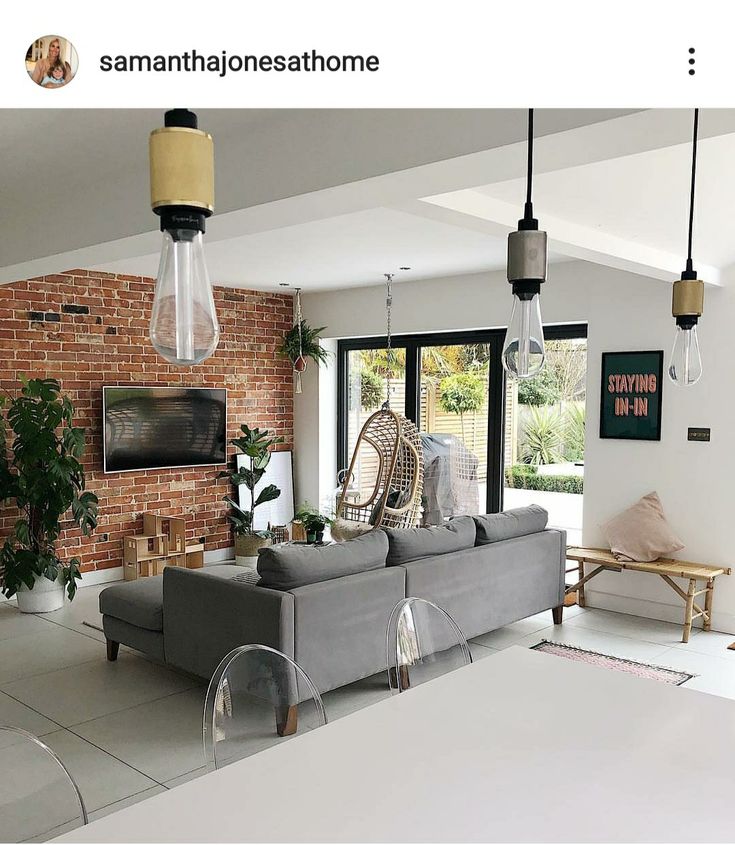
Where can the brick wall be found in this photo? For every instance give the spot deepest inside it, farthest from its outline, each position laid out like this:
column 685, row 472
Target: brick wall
column 88, row 329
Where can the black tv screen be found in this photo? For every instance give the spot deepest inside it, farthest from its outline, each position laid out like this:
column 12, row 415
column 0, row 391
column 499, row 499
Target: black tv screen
column 157, row 427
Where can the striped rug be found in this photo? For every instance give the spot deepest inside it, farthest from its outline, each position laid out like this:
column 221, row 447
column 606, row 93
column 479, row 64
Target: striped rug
column 607, row 661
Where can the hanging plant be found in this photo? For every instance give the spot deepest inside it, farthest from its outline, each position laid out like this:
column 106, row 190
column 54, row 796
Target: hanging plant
column 306, row 345
column 301, row 342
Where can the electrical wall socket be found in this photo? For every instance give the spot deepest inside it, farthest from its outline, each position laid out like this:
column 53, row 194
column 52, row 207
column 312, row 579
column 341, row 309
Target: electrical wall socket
column 699, row 435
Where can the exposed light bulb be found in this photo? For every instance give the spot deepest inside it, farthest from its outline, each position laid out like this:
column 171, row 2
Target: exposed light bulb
column 523, row 351
column 184, row 327
column 686, row 362
column 687, row 300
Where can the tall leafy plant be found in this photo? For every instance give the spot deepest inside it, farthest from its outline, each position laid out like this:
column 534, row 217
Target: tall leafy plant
column 543, row 431
column 255, row 444
column 43, row 475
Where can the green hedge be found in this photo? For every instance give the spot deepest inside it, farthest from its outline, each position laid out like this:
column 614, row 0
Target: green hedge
column 526, row 477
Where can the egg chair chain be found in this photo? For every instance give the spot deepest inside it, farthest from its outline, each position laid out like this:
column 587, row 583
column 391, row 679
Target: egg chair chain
column 388, row 306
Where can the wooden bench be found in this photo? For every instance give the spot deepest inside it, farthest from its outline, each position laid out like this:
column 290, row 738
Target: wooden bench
column 667, row 568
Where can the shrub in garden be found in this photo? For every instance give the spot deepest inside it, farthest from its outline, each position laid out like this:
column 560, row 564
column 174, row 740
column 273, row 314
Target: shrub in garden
column 525, row 477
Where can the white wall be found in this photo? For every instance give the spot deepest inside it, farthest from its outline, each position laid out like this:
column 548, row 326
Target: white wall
column 696, row 481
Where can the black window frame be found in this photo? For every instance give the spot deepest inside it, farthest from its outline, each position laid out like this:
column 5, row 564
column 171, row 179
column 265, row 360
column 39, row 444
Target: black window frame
column 413, row 343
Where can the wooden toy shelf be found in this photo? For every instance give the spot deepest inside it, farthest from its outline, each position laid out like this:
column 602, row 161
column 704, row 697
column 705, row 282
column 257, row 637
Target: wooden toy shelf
column 162, row 543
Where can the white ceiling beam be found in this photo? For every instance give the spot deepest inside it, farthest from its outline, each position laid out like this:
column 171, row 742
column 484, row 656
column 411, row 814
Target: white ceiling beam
column 480, row 212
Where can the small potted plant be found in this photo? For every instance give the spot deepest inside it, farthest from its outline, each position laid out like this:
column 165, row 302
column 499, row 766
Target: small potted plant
column 255, row 444
column 43, row 475
column 314, row 522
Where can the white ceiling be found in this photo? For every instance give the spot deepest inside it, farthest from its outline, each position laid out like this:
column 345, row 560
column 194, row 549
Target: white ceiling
column 326, row 199
column 644, row 198
column 343, row 252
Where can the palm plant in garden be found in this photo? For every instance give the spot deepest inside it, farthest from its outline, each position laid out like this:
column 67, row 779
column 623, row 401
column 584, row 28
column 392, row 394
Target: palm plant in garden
column 43, row 475
column 574, row 430
column 543, row 434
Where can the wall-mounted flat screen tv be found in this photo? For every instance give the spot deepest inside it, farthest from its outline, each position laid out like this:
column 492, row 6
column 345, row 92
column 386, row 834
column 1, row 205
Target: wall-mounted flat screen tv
column 158, row 427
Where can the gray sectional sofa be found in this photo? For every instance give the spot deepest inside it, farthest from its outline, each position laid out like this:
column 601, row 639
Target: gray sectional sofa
column 328, row 607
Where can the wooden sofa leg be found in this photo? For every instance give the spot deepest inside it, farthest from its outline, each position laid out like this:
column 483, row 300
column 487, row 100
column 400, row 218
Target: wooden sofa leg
column 405, row 680
column 287, row 720
column 112, row 649
column 557, row 613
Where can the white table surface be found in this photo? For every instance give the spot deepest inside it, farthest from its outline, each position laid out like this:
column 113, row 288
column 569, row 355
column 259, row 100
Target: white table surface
column 522, row 746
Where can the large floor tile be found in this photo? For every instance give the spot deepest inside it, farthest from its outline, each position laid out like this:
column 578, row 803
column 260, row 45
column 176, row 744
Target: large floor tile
column 98, row 688
column 39, row 801
column 84, row 608
column 52, row 648
column 126, row 802
column 714, row 675
column 161, row 738
column 480, row 652
column 197, row 773
column 101, row 778
column 345, row 700
column 17, row 715
column 600, row 641
column 512, row 634
column 636, row 627
column 711, row 642
column 14, row 624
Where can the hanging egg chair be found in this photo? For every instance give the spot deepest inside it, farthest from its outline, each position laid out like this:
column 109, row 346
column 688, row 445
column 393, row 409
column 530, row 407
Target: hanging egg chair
column 389, row 459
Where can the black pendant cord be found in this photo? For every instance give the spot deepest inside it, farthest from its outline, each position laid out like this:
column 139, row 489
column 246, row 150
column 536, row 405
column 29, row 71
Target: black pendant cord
column 695, row 134
column 529, row 222
column 529, row 171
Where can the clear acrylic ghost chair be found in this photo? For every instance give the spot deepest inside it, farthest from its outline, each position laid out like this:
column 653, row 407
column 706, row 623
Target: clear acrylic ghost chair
column 422, row 642
column 39, row 799
column 257, row 698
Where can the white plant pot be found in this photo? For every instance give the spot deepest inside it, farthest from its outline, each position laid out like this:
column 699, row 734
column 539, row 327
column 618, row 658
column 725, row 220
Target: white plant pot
column 43, row 598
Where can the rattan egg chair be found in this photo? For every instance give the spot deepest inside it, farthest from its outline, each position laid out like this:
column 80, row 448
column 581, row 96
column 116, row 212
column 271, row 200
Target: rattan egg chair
column 395, row 498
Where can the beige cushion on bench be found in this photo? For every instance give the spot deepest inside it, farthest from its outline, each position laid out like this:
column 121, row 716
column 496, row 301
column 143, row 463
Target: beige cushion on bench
column 641, row 532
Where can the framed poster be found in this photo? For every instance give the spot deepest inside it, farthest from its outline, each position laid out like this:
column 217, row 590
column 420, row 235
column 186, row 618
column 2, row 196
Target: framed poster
column 630, row 405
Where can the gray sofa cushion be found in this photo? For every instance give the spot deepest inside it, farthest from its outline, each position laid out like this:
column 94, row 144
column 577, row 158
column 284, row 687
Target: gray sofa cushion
column 407, row 544
column 516, row 522
column 287, row 567
column 138, row 603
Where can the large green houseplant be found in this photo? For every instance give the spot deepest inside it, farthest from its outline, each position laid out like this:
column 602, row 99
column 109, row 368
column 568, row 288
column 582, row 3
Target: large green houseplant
column 42, row 475
column 256, row 445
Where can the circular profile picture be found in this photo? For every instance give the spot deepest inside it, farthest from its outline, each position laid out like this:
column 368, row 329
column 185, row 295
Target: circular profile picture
column 51, row 61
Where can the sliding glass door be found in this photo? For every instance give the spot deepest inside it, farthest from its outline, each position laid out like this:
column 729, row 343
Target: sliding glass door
column 454, row 388
column 545, row 433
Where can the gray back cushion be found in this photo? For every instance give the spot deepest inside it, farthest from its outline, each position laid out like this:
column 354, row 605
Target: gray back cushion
column 407, row 544
column 516, row 522
column 287, row 567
